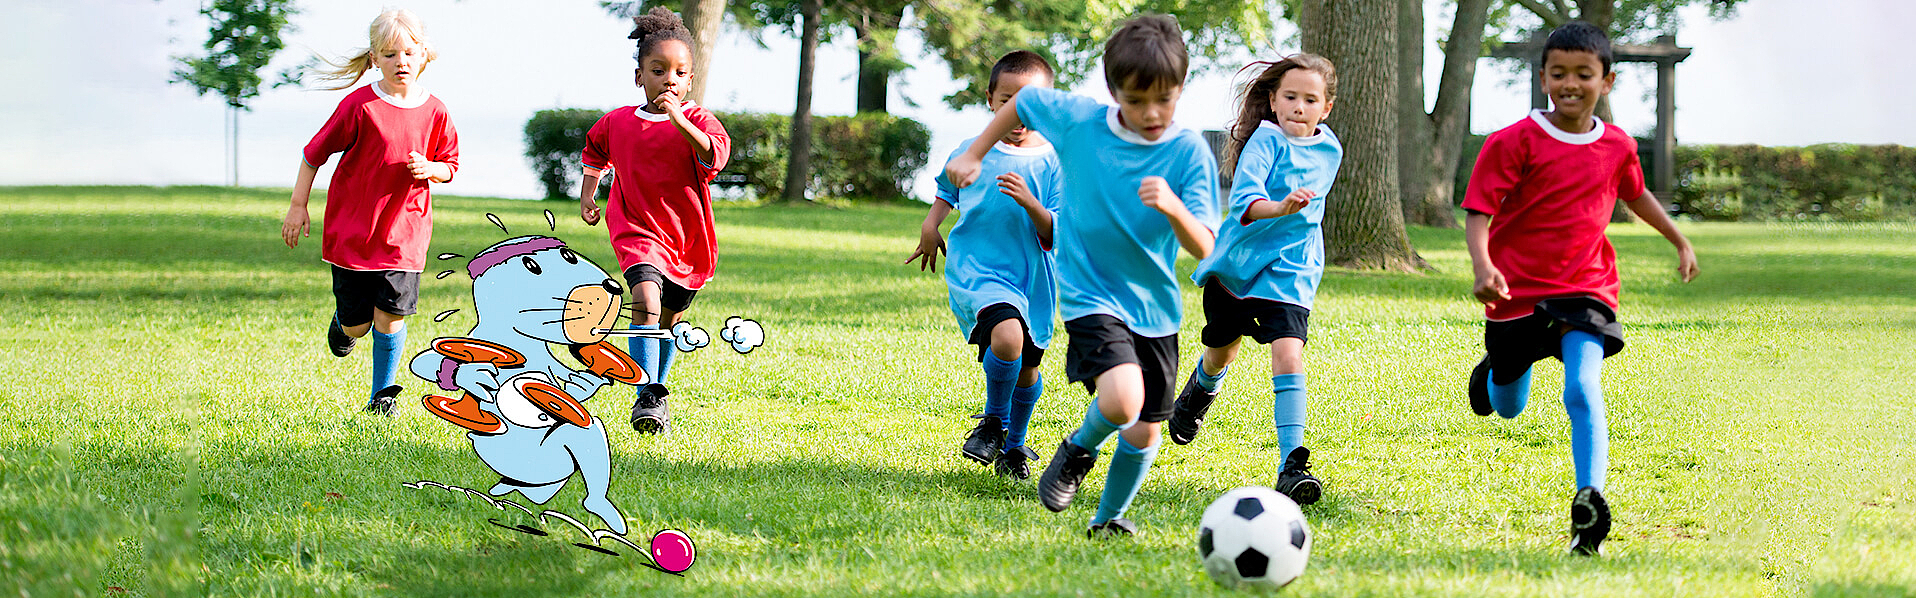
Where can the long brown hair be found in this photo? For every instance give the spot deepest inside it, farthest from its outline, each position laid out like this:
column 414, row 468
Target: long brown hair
column 1254, row 102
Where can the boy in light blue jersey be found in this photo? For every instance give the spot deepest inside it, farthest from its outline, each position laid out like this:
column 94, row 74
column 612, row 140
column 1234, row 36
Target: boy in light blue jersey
column 1001, row 278
column 1137, row 187
column 1262, row 279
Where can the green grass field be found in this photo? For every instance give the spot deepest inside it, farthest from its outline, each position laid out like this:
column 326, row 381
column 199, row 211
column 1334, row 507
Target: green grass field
column 175, row 426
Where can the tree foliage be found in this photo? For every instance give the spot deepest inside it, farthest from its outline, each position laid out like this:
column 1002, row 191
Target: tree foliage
column 244, row 36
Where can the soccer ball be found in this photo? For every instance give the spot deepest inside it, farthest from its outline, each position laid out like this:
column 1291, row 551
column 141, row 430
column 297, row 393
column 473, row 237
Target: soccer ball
column 1253, row 537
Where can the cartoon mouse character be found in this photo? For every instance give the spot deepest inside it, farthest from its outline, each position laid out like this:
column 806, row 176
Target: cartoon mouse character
column 523, row 408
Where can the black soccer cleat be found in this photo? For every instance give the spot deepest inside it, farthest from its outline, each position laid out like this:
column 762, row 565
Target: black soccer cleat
column 1480, row 388
column 1115, row 528
column 986, row 440
column 650, row 415
column 382, row 401
column 1296, row 481
column 1061, row 478
column 1015, row 462
column 1187, row 415
column 338, row 340
column 1589, row 522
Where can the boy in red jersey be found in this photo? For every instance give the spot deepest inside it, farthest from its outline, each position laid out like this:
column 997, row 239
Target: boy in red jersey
column 396, row 139
column 665, row 153
column 1540, row 197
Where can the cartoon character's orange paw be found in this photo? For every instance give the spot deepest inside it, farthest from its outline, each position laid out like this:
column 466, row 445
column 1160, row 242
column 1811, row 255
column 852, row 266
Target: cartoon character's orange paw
column 464, row 412
column 606, row 360
column 555, row 401
column 472, row 350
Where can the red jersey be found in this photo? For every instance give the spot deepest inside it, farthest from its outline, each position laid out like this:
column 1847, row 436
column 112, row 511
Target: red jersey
column 377, row 216
column 660, row 212
column 1550, row 194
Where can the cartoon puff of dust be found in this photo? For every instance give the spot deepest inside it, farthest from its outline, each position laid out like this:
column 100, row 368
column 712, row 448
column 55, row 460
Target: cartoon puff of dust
column 524, row 409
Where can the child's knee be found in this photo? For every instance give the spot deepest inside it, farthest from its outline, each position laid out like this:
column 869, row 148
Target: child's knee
column 1143, row 434
column 1008, row 340
column 1287, row 356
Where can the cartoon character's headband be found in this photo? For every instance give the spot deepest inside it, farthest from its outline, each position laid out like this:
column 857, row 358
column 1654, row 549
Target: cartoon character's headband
column 508, row 249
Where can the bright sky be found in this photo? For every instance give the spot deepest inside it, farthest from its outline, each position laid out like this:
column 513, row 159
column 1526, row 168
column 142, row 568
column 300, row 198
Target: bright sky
column 91, row 103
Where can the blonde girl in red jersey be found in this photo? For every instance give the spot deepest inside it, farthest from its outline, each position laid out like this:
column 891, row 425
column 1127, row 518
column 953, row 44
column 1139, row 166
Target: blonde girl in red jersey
column 396, row 139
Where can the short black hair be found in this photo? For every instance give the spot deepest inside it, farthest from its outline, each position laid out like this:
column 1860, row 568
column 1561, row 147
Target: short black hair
column 1146, row 52
column 1579, row 36
column 656, row 26
column 1018, row 62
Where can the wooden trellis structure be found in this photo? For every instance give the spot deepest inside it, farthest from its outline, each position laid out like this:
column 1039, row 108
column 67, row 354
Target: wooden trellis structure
column 1665, row 53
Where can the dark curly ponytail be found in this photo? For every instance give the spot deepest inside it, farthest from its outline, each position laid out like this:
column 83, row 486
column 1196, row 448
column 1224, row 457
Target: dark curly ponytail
column 658, row 25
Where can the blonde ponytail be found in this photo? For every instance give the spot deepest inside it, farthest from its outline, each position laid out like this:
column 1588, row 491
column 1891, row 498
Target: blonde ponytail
column 385, row 29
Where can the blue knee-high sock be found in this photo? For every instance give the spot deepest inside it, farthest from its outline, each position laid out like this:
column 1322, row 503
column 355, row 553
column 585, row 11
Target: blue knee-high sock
column 1583, row 400
column 1207, row 381
column 1121, row 483
column 1096, row 429
column 386, row 350
column 645, row 352
column 1287, row 412
column 667, row 350
column 1024, row 400
column 1509, row 399
column 1000, row 377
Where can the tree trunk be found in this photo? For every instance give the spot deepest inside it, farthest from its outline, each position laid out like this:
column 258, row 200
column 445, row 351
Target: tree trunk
column 798, row 168
column 1449, row 119
column 1364, row 222
column 703, row 17
column 1602, row 14
column 233, row 113
column 1413, row 125
column 877, row 32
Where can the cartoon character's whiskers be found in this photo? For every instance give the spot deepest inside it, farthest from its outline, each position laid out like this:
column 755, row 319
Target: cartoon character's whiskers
column 568, row 300
column 542, row 309
column 562, row 320
column 638, row 332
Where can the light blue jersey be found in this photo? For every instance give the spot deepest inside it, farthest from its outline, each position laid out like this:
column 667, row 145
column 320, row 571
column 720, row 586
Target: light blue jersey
column 1280, row 259
column 994, row 255
column 1115, row 254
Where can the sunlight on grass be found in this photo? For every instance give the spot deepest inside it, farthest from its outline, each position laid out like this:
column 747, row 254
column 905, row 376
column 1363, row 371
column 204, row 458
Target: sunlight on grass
column 176, row 427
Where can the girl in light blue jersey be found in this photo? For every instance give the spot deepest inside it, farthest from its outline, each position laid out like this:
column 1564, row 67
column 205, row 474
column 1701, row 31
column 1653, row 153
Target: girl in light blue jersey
column 1262, row 277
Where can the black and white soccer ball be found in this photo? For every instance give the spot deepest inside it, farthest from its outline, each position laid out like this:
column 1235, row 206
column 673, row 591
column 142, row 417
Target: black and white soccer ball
column 1253, row 537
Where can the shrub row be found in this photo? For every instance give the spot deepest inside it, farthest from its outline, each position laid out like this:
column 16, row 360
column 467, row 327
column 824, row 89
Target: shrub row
column 868, row 156
column 1819, row 182
column 1757, row 183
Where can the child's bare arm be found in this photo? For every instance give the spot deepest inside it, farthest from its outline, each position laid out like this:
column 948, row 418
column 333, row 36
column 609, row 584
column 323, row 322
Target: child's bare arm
column 1291, row 204
column 963, row 168
column 423, row 169
column 701, row 143
column 1014, row 185
column 1651, row 211
column 1490, row 285
column 1192, row 234
column 930, row 241
column 298, row 223
column 588, row 189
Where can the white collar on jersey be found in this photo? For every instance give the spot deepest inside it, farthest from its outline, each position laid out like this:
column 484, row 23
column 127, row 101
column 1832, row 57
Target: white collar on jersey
column 1117, row 128
column 1584, row 138
column 1014, row 150
column 399, row 102
column 643, row 115
column 1323, row 133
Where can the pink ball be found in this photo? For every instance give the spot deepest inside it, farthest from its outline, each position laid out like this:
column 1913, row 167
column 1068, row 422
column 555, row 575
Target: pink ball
column 672, row 550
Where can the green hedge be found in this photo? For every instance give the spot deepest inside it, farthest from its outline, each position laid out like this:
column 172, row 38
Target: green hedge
column 1819, row 182
column 868, row 156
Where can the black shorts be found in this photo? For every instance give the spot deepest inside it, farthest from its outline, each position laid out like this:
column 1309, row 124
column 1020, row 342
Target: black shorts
column 989, row 318
column 1101, row 342
column 356, row 293
column 1227, row 317
column 671, row 295
column 1513, row 345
